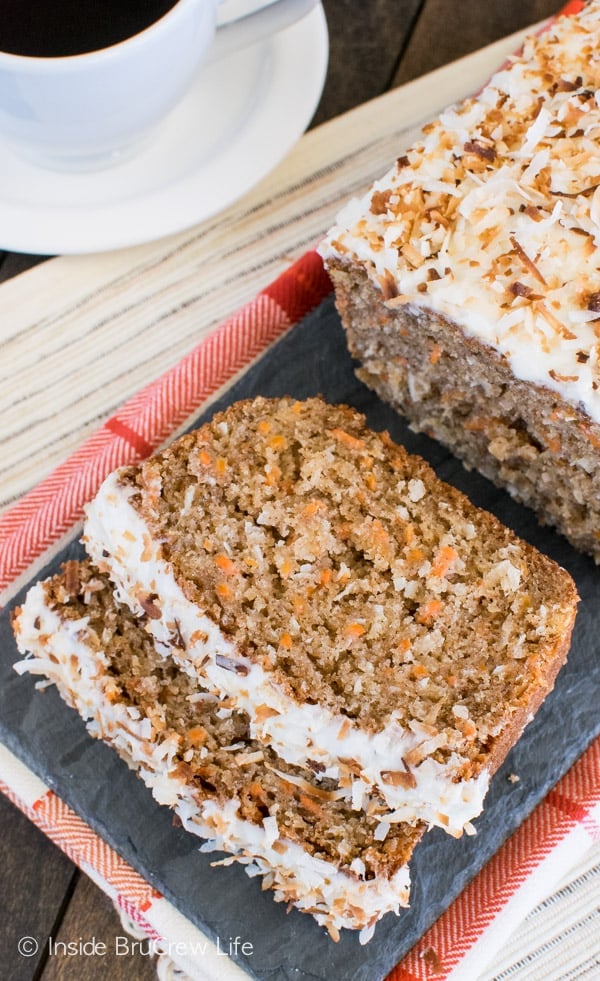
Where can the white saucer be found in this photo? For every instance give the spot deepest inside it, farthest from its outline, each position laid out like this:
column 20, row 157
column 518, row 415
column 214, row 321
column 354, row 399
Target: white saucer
column 239, row 119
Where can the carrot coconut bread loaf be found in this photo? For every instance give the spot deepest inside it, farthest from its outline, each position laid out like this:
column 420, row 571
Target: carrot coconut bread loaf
column 378, row 630
column 468, row 279
column 196, row 755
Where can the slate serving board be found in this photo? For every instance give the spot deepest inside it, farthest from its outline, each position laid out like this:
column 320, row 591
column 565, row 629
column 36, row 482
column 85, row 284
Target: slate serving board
column 49, row 737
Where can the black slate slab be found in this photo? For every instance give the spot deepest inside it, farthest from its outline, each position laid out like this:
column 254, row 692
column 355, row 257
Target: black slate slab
column 224, row 902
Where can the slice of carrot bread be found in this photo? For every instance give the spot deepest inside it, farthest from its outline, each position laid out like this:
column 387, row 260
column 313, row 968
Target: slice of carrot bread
column 467, row 279
column 197, row 756
column 377, row 628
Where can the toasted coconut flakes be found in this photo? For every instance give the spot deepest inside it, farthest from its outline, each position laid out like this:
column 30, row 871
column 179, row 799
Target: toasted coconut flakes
column 306, row 787
column 230, row 665
column 527, row 262
column 412, row 255
column 562, row 378
column 554, row 322
column 399, row 778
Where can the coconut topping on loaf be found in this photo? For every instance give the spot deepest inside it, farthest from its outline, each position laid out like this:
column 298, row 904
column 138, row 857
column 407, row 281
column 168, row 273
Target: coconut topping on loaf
column 196, row 755
column 378, row 629
column 493, row 219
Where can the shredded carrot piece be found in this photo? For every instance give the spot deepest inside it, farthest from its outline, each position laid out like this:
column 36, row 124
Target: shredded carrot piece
column 347, row 439
column 378, row 533
column 467, row 728
column 404, row 645
column 197, row 735
column 325, row 576
column 429, row 611
column 255, row 790
column 312, row 507
column 205, row 458
column 277, row 442
column 354, row 629
column 297, row 407
column 207, row 545
column 226, row 565
column 415, row 555
column 371, row 481
column 409, row 534
column 299, row 604
column 223, row 590
column 286, row 568
column 419, row 671
column 285, row 641
column 264, row 426
column 443, row 561
column 310, row 804
column 554, row 444
column 221, row 466
column 273, row 475
column 435, row 355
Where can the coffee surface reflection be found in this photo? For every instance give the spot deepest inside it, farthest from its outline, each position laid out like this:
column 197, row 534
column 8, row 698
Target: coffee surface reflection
column 59, row 28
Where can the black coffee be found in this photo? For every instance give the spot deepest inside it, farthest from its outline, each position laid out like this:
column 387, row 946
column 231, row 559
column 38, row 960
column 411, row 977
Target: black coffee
column 54, row 28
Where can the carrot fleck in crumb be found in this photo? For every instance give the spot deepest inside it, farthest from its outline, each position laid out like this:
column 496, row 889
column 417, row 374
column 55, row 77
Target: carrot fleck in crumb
column 197, row 735
column 353, row 442
column 277, row 442
column 444, row 560
column 226, row 565
column 355, row 629
column 429, row 611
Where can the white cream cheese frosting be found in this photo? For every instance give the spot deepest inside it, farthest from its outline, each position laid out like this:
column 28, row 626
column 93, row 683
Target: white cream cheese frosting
column 64, row 653
column 395, row 763
column 492, row 220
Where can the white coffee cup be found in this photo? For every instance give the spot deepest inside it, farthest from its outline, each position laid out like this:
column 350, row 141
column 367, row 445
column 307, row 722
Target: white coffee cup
column 89, row 110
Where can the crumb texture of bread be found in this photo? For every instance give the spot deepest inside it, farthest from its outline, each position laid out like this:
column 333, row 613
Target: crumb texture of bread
column 196, row 754
column 467, row 279
column 351, row 587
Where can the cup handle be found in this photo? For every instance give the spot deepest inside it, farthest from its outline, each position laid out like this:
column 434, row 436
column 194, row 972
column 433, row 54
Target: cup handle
column 250, row 27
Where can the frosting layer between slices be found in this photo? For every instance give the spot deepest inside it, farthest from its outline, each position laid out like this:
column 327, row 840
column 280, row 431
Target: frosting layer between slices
column 121, row 544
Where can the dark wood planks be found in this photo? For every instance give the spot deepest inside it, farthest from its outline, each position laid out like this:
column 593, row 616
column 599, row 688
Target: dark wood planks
column 36, row 884
column 366, row 40
column 111, row 951
column 447, row 31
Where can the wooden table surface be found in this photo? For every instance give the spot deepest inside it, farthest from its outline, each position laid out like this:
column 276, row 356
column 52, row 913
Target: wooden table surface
column 374, row 47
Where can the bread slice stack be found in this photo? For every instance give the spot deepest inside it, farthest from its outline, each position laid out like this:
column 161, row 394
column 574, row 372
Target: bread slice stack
column 305, row 644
